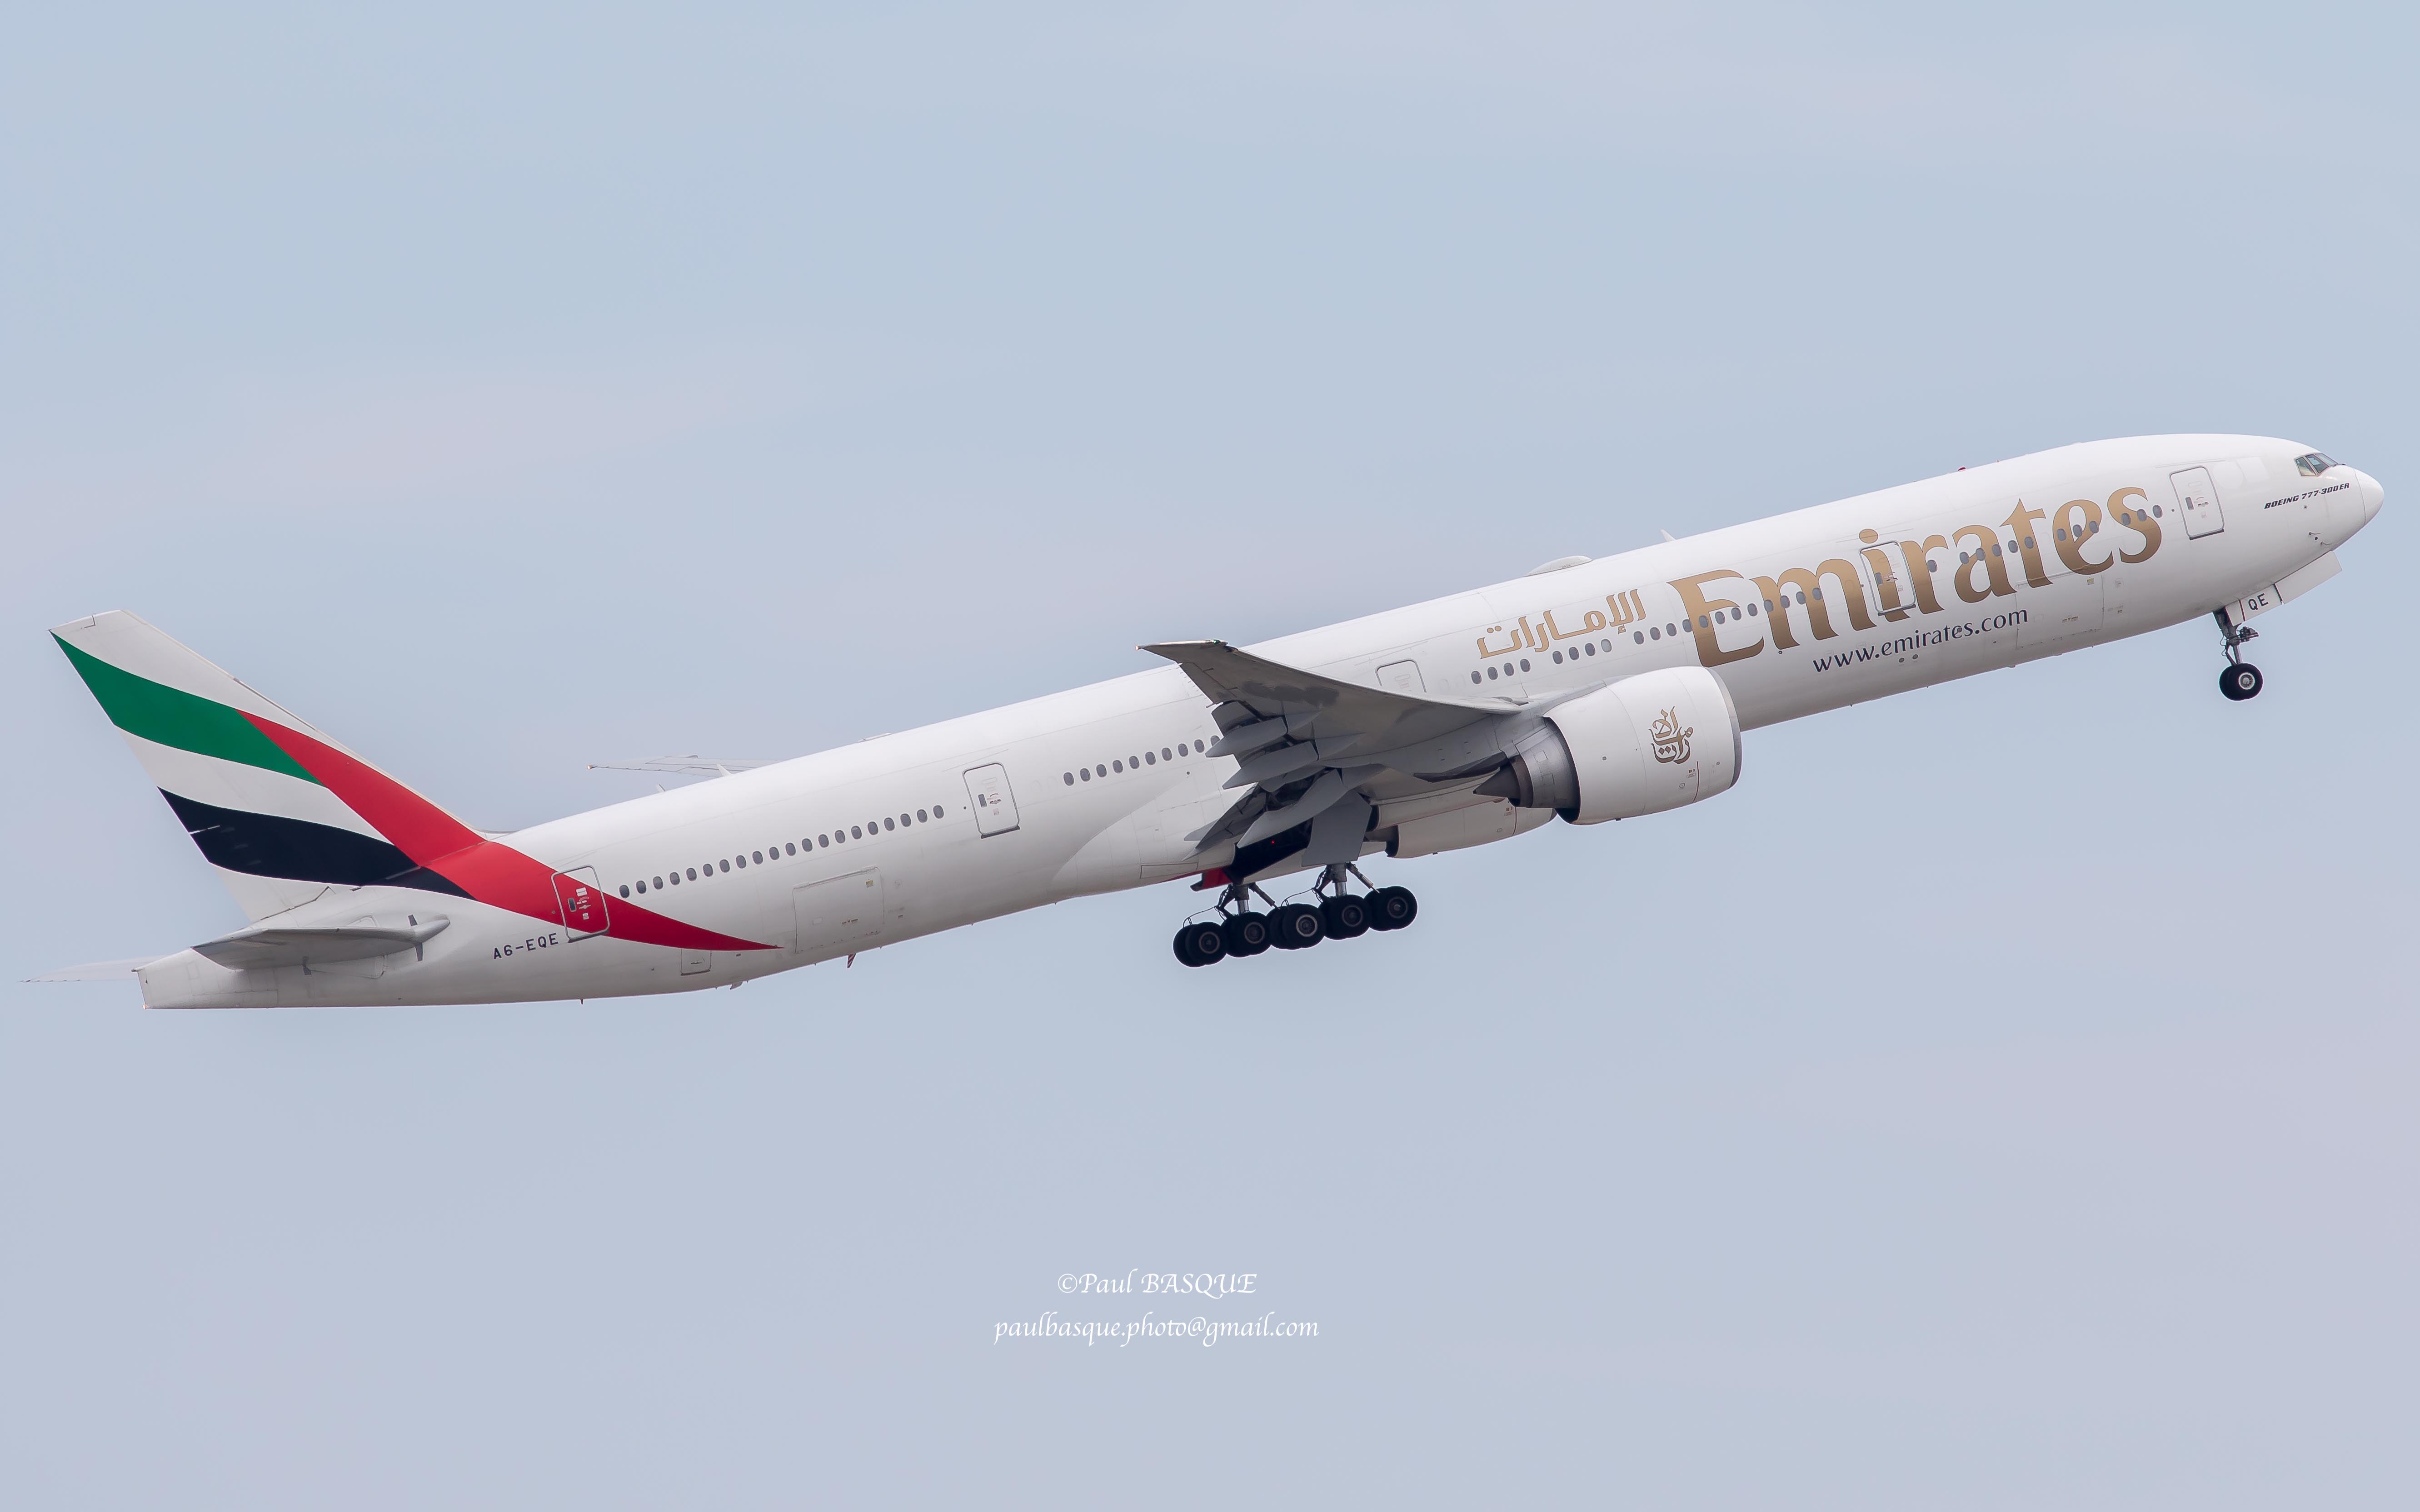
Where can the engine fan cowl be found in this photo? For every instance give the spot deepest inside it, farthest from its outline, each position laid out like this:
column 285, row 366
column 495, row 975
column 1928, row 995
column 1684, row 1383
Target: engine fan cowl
column 1646, row 744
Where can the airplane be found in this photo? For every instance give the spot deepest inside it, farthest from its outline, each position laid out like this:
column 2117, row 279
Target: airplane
column 1584, row 690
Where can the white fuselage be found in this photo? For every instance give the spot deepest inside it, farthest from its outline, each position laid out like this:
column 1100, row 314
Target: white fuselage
column 1128, row 823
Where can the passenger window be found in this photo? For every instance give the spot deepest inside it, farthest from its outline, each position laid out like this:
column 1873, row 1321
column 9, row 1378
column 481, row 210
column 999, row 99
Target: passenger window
column 626, row 889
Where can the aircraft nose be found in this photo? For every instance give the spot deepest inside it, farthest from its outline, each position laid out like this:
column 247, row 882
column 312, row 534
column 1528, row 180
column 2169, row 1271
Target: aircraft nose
column 2373, row 494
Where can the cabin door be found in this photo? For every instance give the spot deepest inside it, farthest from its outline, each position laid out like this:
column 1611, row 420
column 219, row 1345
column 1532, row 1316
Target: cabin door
column 2197, row 501
column 1401, row 677
column 1888, row 593
column 583, row 905
column 995, row 805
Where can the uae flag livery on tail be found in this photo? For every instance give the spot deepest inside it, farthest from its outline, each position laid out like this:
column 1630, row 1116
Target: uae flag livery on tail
column 285, row 812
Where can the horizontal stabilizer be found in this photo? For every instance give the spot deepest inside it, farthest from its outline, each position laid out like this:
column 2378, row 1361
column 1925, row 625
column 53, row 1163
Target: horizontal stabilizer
column 262, row 947
column 98, row 970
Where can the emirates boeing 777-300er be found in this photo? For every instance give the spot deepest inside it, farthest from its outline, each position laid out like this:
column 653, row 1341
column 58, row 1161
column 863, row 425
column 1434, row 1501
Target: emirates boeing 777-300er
column 1589, row 689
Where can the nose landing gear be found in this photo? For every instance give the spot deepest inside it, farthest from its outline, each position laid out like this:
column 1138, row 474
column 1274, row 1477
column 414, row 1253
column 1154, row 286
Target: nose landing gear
column 2239, row 679
column 1338, row 915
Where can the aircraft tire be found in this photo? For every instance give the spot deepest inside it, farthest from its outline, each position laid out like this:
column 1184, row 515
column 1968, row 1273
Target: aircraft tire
column 1296, row 927
column 1343, row 916
column 1201, row 943
column 1391, row 908
column 2239, row 681
column 1246, row 934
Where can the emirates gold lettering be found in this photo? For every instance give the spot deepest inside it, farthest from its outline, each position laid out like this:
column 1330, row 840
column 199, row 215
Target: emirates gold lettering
column 1812, row 602
column 1671, row 741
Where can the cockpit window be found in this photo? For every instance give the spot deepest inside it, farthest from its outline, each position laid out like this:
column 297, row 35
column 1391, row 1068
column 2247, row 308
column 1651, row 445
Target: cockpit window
column 2312, row 464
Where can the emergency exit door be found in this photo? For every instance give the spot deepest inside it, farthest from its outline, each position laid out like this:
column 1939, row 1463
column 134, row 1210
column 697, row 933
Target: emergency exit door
column 2197, row 499
column 995, row 805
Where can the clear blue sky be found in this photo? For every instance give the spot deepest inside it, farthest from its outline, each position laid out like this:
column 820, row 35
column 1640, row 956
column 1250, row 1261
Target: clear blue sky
column 2002, row 1099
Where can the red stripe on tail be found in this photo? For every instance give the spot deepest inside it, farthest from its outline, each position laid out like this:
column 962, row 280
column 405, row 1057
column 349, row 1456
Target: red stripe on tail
column 492, row 873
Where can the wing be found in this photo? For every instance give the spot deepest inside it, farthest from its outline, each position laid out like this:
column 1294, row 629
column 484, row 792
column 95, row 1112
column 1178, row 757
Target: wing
column 1316, row 706
column 681, row 765
column 1307, row 742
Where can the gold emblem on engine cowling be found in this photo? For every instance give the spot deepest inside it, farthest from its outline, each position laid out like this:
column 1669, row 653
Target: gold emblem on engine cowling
column 1671, row 741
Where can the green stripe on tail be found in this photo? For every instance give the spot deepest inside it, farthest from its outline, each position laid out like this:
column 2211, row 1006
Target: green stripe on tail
column 156, row 712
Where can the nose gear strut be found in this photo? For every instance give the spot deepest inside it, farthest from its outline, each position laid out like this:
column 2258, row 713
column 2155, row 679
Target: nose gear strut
column 2239, row 679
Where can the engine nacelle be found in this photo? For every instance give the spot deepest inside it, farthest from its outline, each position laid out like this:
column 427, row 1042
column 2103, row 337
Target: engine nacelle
column 1644, row 744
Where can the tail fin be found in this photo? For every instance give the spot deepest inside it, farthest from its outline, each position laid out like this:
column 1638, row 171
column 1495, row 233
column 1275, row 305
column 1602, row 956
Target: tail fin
column 280, row 810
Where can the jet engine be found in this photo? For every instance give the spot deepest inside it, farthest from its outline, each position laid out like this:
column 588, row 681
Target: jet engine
column 1643, row 745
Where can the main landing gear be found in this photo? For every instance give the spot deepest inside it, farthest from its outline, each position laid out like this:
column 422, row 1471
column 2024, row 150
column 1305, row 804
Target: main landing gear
column 2239, row 679
column 1338, row 915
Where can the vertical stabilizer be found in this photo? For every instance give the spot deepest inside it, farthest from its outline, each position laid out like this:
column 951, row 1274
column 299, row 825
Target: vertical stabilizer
column 236, row 771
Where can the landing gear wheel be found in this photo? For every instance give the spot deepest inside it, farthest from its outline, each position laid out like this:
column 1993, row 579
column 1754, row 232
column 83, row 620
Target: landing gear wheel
column 1201, row 943
column 1246, row 934
column 1393, row 907
column 2239, row 681
column 1296, row 927
column 1343, row 916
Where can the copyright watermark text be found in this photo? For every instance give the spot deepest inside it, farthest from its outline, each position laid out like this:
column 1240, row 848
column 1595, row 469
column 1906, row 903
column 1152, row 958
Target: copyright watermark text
column 1161, row 1282
column 1205, row 1332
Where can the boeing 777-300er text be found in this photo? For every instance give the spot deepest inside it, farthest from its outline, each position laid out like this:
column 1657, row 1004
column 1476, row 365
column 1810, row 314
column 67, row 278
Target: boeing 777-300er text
column 1591, row 690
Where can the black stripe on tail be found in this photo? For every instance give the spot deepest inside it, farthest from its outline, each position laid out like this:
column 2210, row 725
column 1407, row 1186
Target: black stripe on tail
column 266, row 845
